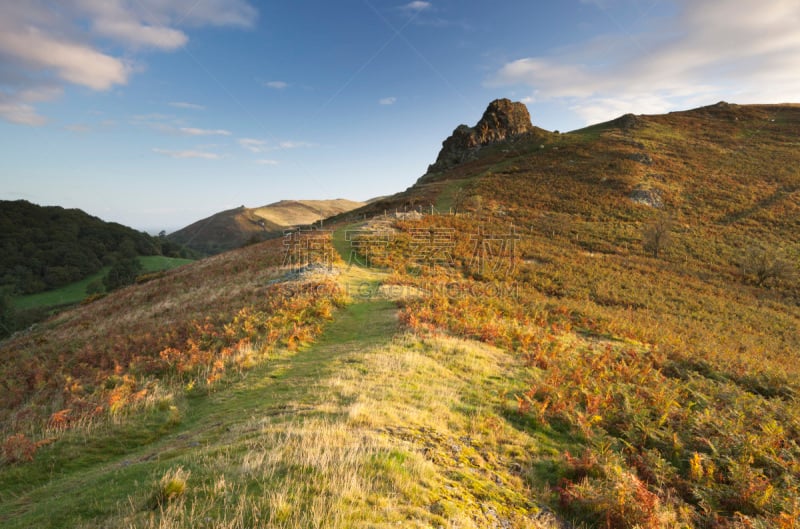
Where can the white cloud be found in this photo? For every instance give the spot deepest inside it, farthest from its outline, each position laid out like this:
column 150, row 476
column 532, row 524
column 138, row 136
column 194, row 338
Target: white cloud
column 159, row 122
column 189, row 106
column 277, row 85
column 17, row 108
column 73, row 62
column 387, row 101
column 20, row 113
column 418, row 5
column 294, row 144
column 745, row 51
column 253, row 145
column 189, row 131
column 267, row 162
column 203, row 155
column 260, row 146
column 90, row 43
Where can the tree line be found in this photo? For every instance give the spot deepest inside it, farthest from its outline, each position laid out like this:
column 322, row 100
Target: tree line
column 42, row 248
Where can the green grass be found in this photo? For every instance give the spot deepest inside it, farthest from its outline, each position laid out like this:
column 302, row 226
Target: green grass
column 66, row 295
column 76, row 292
column 158, row 263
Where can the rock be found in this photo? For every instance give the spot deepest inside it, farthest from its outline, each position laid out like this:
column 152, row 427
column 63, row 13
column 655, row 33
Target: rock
column 648, row 197
column 628, row 122
column 502, row 120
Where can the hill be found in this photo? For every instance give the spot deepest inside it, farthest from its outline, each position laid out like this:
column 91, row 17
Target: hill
column 49, row 256
column 592, row 329
column 236, row 227
column 48, row 247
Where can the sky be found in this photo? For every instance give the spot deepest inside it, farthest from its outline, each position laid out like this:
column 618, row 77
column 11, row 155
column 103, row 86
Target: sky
column 156, row 113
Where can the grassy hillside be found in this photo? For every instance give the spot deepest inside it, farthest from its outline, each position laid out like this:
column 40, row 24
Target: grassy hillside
column 234, row 228
column 557, row 353
column 77, row 292
column 676, row 372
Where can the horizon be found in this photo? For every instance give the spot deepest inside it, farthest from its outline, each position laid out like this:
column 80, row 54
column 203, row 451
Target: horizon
column 156, row 115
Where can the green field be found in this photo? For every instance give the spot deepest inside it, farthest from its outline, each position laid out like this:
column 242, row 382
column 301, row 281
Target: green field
column 75, row 292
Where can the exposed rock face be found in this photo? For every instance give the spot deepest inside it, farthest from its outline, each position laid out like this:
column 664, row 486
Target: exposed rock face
column 502, row 120
column 648, row 197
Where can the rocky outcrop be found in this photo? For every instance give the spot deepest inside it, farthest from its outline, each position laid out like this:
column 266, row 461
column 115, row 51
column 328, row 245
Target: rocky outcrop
column 648, row 197
column 503, row 120
column 628, row 122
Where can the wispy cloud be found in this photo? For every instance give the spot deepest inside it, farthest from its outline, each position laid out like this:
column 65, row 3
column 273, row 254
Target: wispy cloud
column 18, row 107
column 295, row 145
column 744, row 50
column 203, row 155
column 164, row 123
column 277, row 85
column 190, row 131
column 51, row 46
column 253, row 145
column 189, row 106
column 418, row 5
column 260, row 146
column 268, row 162
column 387, row 101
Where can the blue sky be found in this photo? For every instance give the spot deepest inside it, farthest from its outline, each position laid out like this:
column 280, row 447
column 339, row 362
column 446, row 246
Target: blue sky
column 155, row 113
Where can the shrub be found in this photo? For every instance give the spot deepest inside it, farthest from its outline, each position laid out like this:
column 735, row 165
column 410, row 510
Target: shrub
column 762, row 265
column 18, row 448
column 656, row 235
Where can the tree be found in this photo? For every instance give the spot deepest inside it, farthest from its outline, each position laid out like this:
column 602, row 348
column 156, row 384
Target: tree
column 762, row 265
column 123, row 273
column 7, row 316
column 657, row 235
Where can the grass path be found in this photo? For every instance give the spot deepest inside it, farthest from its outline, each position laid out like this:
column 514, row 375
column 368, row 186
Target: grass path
column 368, row 427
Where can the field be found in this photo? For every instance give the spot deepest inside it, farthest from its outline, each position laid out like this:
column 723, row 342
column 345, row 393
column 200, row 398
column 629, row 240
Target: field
column 76, row 292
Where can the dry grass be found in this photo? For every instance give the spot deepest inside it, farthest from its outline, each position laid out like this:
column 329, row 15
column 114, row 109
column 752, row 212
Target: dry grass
column 371, row 449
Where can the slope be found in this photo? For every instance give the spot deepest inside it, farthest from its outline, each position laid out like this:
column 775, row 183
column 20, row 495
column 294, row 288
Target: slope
column 674, row 362
column 233, row 228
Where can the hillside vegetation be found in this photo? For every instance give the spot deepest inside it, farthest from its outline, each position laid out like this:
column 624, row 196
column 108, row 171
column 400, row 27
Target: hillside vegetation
column 597, row 329
column 677, row 373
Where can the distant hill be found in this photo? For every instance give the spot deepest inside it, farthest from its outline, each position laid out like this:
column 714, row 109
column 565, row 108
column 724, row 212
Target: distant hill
column 236, row 227
column 42, row 248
